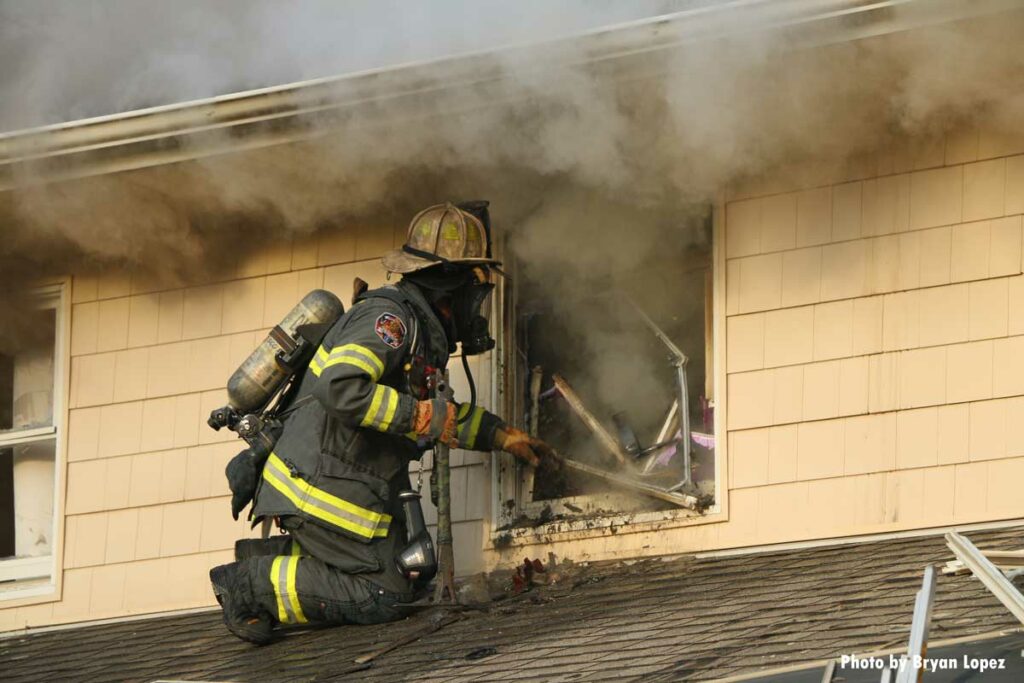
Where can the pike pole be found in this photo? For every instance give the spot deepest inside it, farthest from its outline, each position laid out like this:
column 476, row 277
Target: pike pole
column 444, row 589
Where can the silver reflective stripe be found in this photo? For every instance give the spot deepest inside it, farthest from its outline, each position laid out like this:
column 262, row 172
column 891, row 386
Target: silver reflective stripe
column 282, row 590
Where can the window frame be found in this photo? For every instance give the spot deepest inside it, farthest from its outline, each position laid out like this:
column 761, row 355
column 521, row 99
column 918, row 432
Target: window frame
column 507, row 482
column 31, row 590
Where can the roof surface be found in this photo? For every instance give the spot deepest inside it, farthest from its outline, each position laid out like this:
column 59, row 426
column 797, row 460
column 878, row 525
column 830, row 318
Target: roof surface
column 678, row 619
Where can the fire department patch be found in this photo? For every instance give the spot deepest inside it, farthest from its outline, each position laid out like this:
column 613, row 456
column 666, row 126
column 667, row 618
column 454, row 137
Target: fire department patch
column 390, row 329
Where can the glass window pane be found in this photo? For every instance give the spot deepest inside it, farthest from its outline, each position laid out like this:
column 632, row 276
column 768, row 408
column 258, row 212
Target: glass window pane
column 26, row 374
column 26, row 499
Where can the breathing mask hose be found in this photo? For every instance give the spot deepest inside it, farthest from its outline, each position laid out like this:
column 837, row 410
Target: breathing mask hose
column 472, row 388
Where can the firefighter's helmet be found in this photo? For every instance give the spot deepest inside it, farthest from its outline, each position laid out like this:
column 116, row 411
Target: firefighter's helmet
column 443, row 233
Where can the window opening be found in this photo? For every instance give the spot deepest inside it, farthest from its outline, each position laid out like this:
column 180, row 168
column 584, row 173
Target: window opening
column 28, row 446
column 624, row 375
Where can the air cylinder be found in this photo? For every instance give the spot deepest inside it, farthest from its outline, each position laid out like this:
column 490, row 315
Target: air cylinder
column 256, row 380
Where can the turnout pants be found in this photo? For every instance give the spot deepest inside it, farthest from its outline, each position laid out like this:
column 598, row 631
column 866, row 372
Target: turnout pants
column 274, row 577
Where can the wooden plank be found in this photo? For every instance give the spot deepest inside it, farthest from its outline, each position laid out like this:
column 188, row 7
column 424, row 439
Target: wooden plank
column 625, row 482
column 607, row 441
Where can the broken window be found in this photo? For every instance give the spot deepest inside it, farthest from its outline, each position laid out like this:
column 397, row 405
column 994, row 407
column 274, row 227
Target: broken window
column 599, row 369
column 28, row 445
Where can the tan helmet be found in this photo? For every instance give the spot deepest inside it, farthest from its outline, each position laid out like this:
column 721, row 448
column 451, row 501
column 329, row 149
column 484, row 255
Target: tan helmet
column 440, row 234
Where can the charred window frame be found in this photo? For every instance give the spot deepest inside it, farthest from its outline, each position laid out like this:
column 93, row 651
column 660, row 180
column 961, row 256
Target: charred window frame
column 33, row 372
column 515, row 505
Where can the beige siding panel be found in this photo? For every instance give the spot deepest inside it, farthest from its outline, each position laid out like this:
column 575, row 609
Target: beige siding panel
column 170, row 316
column 745, row 342
column 801, row 277
column 984, row 189
column 83, row 434
column 870, row 443
column 157, row 432
column 108, row 588
column 972, row 244
column 86, row 486
column 833, row 330
column 150, row 531
column 943, row 314
column 778, row 222
column 917, row 438
column 969, row 372
column 923, row 378
column 92, row 380
column 788, row 393
column 243, row 305
column 750, row 399
column 120, row 429
column 84, row 328
column 187, row 420
column 743, row 228
column 168, row 369
column 936, row 197
column 760, row 283
column 336, row 246
column 119, row 472
column 1003, row 495
column 1005, row 258
column 884, row 382
column 844, row 269
column 989, row 302
column 901, row 317
column 181, row 528
column 954, row 425
column 1008, row 362
column 846, row 211
column 820, row 449
column 821, row 390
column 886, row 204
column 970, row 492
column 83, row 288
column 788, row 336
column 867, row 325
column 1014, row 185
column 936, row 257
column 884, row 264
column 131, row 371
column 86, row 540
column 854, row 385
column 122, row 530
column 203, row 312
column 144, row 320
column 112, row 333
column 814, row 217
column 749, row 454
column 782, row 454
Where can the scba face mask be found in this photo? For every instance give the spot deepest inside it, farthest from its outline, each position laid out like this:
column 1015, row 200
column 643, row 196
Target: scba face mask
column 471, row 306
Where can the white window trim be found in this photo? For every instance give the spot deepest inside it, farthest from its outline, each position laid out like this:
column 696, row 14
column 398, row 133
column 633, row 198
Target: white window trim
column 40, row 576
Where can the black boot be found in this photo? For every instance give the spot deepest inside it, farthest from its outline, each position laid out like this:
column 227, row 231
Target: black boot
column 239, row 617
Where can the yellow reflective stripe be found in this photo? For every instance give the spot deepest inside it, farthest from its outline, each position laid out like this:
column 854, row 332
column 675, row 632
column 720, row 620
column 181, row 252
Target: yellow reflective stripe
column 349, row 354
column 360, row 350
column 392, row 407
column 296, row 550
column 311, row 500
column 468, row 430
column 371, row 412
column 474, row 426
column 293, row 596
column 275, row 574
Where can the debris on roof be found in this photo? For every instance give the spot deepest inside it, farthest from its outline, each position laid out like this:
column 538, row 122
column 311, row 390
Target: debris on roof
column 683, row 618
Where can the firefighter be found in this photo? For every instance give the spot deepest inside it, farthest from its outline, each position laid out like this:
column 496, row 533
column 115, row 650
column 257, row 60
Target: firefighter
column 365, row 408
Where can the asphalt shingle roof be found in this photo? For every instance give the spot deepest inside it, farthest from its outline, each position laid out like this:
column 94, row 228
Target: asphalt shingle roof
column 678, row 619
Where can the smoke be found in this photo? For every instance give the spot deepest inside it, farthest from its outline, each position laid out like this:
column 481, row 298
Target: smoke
column 588, row 170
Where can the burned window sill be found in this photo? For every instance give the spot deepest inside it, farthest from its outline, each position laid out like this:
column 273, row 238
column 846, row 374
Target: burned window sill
column 598, row 516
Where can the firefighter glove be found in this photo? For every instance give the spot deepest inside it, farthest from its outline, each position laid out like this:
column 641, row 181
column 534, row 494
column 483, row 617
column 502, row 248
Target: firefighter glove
column 521, row 445
column 437, row 419
column 243, row 473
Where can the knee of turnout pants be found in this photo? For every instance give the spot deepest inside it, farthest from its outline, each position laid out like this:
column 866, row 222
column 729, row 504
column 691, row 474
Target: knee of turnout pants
column 295, row 589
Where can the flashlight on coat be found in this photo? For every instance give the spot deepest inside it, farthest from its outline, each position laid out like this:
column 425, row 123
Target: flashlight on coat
column 417, row 561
